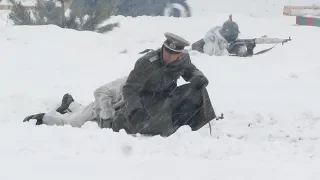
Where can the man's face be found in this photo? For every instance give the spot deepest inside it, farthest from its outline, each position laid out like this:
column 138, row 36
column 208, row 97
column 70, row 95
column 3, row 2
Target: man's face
column 170, row 56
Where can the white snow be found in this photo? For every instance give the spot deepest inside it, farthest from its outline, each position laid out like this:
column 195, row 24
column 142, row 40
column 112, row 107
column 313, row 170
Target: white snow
column 271, row 103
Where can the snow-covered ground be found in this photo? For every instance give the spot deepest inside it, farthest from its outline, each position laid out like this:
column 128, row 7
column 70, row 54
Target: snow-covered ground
column 271, row 104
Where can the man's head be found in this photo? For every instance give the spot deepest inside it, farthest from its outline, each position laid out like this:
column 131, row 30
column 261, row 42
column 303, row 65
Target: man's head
column 173, row 48
column 230, row 30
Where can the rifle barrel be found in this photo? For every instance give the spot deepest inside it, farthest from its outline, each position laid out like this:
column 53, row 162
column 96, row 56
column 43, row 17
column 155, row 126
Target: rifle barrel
column 270, row 40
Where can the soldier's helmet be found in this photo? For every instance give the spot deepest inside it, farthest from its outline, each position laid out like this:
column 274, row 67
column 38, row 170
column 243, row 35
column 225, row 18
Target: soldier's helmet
column 230, row 30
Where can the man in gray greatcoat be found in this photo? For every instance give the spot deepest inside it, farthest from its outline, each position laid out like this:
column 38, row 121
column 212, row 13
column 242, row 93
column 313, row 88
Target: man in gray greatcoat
column 154, row 104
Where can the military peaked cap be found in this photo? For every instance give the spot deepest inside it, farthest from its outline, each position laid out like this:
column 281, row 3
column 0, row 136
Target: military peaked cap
column 175, row 42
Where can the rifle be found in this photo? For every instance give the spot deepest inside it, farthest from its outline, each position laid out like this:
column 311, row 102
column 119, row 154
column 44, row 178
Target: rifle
column 251, row 43
column 263, row 40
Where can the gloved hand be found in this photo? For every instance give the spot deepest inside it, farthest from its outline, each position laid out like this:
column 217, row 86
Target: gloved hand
column 199, row 82
column 250, row 47
column 231, row 46
column 138, row 117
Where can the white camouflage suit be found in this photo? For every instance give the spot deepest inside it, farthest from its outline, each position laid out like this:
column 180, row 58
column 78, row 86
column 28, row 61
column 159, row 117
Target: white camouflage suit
column 216, row 44
column 107, row 98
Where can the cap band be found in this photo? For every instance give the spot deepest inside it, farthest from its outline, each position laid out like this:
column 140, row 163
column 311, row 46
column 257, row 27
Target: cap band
column 173, row 46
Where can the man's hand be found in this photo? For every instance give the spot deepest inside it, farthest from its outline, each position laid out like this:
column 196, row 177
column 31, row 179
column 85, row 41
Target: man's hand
column 199, row 82
column 250, row 47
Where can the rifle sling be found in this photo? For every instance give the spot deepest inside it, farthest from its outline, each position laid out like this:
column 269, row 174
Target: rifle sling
column 260, row 52
column 265, row 50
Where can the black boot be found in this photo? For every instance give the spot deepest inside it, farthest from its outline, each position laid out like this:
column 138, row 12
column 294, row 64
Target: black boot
column 38, row 117
column 66, row 101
